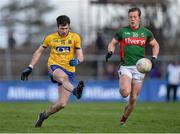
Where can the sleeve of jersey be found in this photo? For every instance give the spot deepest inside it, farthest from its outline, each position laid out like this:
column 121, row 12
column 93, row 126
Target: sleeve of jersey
column 150, row 36
column 77, row 42
column 118, row 35
column 46, row 42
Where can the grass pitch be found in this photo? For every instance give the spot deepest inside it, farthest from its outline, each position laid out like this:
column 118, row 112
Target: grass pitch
column 90, row 117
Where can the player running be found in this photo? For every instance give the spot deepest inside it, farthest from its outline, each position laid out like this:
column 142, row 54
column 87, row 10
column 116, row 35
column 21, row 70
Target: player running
column 133, row 40
column 66, row 53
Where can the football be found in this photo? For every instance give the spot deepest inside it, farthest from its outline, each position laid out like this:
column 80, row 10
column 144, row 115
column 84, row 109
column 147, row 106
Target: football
column 144, row 65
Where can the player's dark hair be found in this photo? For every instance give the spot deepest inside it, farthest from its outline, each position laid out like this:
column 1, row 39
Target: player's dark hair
column 63, row 20
column 135, row 9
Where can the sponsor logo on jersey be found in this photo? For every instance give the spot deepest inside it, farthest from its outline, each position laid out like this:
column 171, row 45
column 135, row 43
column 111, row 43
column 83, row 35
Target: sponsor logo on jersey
column 135, row 41
column 63, row 49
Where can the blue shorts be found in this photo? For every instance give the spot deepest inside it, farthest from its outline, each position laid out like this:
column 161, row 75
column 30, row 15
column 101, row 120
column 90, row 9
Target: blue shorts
column 70, row 75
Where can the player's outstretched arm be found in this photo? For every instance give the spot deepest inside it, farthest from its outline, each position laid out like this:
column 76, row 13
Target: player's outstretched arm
column 35, row 58
column 111, row 49
column 155, row 51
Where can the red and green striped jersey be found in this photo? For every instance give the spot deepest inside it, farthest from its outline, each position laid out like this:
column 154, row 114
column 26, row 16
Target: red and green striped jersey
column 133, row 44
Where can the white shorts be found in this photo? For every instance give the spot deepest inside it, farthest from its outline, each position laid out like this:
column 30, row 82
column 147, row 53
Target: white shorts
column 132, row 73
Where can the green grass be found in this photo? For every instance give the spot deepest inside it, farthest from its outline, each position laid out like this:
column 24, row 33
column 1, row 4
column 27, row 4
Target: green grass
column 91, row 117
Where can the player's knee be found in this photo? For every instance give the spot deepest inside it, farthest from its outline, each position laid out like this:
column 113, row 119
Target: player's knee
column 63, row 104
column 62, row 79
column 124, row 93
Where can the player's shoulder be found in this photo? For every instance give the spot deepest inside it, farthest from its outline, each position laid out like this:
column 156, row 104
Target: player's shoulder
column 145, row 29
column 51, row 35
column 124, row 28
column 74, row 35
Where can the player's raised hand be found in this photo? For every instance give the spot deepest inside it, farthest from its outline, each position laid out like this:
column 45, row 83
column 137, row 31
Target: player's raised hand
column 154, row 61
column 74, row 62
column 108, row 55
column 26, row 73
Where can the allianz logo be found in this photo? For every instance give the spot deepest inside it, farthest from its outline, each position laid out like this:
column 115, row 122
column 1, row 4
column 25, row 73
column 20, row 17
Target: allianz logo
column 25, row 93
column 101, row 93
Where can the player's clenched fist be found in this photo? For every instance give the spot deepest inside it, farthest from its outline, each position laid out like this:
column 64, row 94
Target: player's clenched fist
column 74, row 62
column 154, row 61
column 108, row 55
column 26, row 73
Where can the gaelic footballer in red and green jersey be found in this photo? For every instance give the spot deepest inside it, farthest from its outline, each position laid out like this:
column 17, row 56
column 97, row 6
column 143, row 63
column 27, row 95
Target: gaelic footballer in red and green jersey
column 133, row 44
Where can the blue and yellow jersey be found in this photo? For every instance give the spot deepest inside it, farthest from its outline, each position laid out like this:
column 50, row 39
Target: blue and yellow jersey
column 62, row 49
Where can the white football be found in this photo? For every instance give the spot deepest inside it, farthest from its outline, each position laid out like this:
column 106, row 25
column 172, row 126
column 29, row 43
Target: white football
column 144, row 65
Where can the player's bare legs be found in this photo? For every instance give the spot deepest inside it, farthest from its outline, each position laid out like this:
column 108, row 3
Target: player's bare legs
column 136, row 87
column 64, row 92
column 125, row 89
column 61, row 103
column 125, row 85
column 61, row 77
